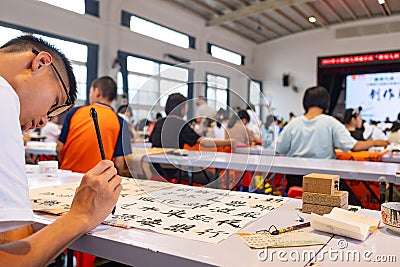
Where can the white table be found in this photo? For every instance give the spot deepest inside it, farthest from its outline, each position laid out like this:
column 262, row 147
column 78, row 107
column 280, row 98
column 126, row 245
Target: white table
column 146, row 248
column 356, row 170
column 391, row 157
column 141, row 145
column 254, row 150
column 41, row 148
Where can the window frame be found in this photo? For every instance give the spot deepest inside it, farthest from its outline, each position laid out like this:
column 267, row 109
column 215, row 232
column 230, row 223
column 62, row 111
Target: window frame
column 91, row 8
column 260, row 104
column 227, row 88
column 209, row 46
column 123, row 56
column 126, row 21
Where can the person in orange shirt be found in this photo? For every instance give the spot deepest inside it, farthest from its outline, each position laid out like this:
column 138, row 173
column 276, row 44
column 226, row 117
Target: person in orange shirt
column 77, row 148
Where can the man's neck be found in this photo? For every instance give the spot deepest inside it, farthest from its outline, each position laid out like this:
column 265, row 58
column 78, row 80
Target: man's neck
column 313, row 112
column 102, row 101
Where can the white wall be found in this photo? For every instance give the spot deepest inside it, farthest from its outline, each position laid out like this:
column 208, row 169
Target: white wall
column 297, row 55
column 107, row 32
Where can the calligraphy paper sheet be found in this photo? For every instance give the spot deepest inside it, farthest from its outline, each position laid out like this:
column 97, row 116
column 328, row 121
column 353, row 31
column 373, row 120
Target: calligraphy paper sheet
column 57, row 199
column 196, row 213
column 203, row 214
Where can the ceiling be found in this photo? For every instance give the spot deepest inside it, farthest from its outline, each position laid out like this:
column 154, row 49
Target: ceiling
column 265, row 20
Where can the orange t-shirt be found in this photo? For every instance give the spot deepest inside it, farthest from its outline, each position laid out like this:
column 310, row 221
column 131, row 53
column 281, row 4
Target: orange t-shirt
column 81, row 150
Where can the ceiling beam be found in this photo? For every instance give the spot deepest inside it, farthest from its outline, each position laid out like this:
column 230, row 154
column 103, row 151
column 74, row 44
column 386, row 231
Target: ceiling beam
column 245, row 36
column 294, row 9
column 330, row 8
column 253, row 9
column 386, row 5
column 307, row 14
column 254, row 31
column 382, row 8
column 320, row 18
column 265, row 27
column 283, row 15
column 348, row 9
column 204, row 6
column 277, row 23
column 215, row 11
column 367, row 11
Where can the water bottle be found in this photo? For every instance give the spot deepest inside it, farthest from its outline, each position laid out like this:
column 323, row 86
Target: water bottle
column 268, row 138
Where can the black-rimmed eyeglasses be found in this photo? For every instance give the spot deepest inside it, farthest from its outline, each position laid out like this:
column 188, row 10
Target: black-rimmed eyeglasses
column 54, row 111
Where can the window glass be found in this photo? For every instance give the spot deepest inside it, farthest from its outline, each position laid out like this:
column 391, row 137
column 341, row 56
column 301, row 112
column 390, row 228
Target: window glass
column 150, row 83
column 226, row 55
column 172, row 72
column 255, row 96
column 141, row 65
column 158, row 32
column 120, row 88
column 6, row 34
column 77, row 6
column 217, row 91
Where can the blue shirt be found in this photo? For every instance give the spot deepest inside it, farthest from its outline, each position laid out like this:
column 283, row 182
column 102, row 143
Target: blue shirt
column 315, row 138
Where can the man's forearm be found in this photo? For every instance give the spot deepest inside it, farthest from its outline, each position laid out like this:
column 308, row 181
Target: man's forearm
column 35, row 249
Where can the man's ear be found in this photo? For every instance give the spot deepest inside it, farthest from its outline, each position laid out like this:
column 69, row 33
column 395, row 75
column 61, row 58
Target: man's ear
column 97, row 92
column 41, row 60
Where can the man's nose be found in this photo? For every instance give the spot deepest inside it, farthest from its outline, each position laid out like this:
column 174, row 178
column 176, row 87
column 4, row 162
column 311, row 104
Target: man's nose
column 42, row 122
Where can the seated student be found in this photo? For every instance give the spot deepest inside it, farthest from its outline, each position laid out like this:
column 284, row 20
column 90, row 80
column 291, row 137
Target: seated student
column 221, row 121
column 77, row 148
column 394, row 135
column 254, row 124
column 353, row 123
column 360, row 130
column 238, row 131
column 125, row 112
column 173, row 132
column 316, row 135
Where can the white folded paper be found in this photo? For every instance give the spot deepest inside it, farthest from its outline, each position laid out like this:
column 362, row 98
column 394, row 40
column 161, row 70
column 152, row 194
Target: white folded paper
column 345, row 223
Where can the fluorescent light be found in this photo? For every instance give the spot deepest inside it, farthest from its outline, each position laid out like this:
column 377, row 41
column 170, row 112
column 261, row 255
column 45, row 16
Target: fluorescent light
column 312, row 19
column 381, row 2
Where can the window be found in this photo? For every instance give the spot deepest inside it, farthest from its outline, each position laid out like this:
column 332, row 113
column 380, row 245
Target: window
column 225, row 55
column 157, row 31
column 77, row 6
column 217, row 91
column 6, row 34
column 255, row 97
column 150, row 83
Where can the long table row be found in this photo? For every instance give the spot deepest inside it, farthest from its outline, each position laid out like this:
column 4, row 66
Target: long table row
column 146, row 248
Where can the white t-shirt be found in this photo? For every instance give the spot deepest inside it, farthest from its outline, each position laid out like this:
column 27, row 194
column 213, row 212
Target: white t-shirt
column 51, row 131
column 254, row 124
column 15, row 206
column 315, row 138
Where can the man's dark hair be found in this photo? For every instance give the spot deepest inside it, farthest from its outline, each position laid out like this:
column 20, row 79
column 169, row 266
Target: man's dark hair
column 316, row 96
column 174, row 105
column 27, row 42
column 158, row 116
column 107, row 86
